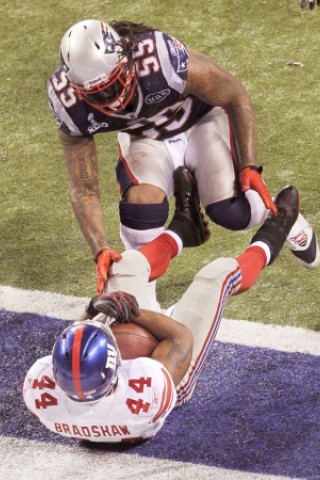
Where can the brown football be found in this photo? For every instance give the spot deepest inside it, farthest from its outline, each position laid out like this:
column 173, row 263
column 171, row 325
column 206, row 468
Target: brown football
column 133, row 341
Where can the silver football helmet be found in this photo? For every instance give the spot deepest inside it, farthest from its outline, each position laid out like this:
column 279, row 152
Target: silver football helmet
column 95, row 66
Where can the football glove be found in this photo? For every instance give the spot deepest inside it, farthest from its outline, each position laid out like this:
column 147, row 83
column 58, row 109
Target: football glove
column 104, row 260
column 90, row 308
column 119, row 305
column 250, row 178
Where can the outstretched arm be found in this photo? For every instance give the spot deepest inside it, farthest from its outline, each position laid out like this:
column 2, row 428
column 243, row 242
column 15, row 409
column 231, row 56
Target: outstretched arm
column 83, row 188
column 84, row 194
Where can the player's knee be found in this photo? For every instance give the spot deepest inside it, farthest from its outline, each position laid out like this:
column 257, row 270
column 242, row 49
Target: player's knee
column 219, row 268
column 144, row 194
column 132, row 265
column 143, row 216
column 232, row 213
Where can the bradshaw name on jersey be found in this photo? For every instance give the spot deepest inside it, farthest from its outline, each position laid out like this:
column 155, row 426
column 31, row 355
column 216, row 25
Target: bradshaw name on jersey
column 136, row 410
column 159, row 111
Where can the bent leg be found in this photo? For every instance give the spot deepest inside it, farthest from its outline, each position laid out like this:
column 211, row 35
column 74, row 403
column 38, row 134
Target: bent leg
column 131, row 274
column 201, row 309
column 144, row 174
column 213, row 157
column 232, row 213
column 141, row 223
column 137, row 268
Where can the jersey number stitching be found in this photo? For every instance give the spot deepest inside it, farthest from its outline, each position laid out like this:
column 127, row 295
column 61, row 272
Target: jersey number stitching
column 148, row 64
column 138, row 385
column 46, row 399
column 66, row 94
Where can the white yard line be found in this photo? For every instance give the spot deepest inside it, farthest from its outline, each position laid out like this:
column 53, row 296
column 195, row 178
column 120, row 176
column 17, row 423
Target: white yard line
column 242, row 332
column 26, row 459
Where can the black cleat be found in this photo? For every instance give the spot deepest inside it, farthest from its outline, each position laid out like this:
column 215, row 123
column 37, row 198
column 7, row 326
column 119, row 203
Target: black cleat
column 188, row 222
column 275, row 229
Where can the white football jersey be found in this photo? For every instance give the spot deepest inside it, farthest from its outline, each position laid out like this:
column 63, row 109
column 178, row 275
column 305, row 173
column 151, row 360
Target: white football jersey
column 136, row 410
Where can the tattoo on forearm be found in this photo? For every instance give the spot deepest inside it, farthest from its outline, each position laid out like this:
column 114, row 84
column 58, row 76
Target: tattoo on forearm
column 178, row 356
column 82, row 163
column 84, row 192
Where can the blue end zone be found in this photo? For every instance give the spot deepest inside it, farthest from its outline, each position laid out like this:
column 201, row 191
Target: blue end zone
column 255, row 410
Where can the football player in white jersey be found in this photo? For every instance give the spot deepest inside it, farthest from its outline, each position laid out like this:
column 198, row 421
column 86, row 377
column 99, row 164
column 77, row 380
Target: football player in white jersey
column 171, row 106
column 85, row 390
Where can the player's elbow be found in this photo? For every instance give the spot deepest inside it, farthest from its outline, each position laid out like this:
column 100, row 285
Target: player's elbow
column 184, row 344
column 187, row 337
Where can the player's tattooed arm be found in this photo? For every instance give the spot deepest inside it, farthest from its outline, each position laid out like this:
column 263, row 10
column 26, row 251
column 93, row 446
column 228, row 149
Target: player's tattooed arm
column 175, row 346
column 83, row 188
column 215, row 86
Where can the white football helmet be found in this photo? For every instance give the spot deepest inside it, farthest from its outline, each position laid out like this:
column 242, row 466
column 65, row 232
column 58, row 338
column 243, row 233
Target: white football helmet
column 96, row 68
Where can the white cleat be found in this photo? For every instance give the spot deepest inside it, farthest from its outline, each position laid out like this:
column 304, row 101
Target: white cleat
column 303, row 243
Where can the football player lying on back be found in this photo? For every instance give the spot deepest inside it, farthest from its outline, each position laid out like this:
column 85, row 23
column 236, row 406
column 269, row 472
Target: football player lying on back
column 86, row 391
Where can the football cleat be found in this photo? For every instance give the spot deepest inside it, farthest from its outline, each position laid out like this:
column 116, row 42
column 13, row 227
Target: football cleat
column 275, row 229
column 303, row 243
column 188, row 221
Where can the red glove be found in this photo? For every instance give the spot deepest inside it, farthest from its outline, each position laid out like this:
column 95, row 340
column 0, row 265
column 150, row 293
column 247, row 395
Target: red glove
column 104, row 260
column 250, row 178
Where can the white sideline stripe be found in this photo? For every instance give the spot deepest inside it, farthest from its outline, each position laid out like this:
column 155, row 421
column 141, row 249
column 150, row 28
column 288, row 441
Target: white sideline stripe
column 241, row 332
column 25, row 459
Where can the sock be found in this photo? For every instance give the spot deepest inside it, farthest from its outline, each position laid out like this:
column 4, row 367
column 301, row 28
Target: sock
column 258, row 210
column 264, row 247
column 159, row 252
column 251, row 263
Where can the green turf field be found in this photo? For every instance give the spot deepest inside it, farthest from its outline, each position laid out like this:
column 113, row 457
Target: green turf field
column 40, row 242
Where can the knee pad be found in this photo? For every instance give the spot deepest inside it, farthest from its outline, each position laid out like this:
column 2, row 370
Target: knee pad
column 232, row 213
column 141, row 223
column 142, row 216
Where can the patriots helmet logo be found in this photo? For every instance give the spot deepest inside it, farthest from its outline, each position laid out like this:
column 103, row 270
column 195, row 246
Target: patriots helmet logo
column 108, row 39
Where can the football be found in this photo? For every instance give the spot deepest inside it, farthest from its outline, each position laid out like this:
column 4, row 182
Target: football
column 133, row 341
